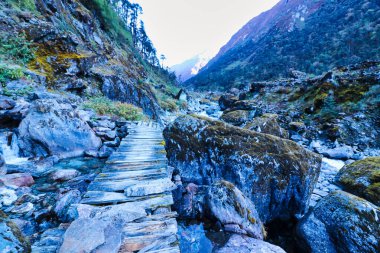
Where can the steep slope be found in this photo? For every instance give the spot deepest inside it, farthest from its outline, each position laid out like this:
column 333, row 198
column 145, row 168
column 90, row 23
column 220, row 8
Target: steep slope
column 80, row 46
column 308, row 35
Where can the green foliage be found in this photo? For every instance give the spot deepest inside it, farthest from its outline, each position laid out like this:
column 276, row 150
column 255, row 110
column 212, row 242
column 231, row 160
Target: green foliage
column 29, row 5
column 19, row 92
column 10, row 73
column 105, row 106
column 16, row 48
column 110, row 20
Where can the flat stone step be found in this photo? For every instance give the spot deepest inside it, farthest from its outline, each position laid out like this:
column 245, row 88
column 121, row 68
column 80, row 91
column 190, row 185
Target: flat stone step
column 135, row 183
column 149, row 243
column 134, row 167
column 113, row 198
column 129, row 174
column 136, row 161
column 132, row 229
column 149, row 187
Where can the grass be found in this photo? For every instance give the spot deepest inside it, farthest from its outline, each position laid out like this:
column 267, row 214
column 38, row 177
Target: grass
column 105, row 106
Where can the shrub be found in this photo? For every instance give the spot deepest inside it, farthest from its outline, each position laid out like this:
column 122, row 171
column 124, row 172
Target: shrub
column 105, row 106
column 23, row 4
column 10, row 73
column 16, row 48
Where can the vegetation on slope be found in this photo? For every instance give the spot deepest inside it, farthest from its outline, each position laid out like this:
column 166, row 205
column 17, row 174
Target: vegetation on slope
column 310, row 36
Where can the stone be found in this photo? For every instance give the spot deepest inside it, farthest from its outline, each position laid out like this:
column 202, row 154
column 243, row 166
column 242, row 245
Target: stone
column 23, row 208
column 17, row 179
column 298, row 127
column 341, row 222
column 63, row 204
column 226, row 101
column 6, row 103
column 276, row 174
column 54, row 128
column 362, row 178
column 246, row 105
column 64, row 174
column 102, row 227
column 236, row 118
column 229, row 206
column 341, row 152
column 11, row 239
column 25, row 227
column 267, row 124
column 8, row 196
column 113, row 144
column 244, row 244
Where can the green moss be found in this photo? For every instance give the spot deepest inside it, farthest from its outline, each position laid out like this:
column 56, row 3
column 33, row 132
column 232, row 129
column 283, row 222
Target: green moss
column 352, row 177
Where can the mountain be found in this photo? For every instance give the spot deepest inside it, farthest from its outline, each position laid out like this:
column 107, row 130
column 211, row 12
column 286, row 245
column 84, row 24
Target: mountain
column 307, row 35
column 190, row 67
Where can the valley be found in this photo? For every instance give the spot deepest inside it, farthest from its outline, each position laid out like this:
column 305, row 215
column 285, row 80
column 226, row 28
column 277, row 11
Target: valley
column 273, row 146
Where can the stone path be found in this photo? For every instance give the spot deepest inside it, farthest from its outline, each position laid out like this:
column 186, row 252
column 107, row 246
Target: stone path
column 127, row 206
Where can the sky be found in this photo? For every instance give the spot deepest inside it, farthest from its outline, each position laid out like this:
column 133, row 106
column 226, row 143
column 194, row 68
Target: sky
column 182, row 29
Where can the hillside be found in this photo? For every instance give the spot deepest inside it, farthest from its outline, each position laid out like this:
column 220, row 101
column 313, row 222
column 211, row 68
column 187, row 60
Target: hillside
column 309, row 36
column 79, row 46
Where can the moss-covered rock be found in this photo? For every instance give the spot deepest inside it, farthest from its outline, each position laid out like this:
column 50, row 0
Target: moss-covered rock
column 362, row 178
column 235, row 211
column 276, row 174
column 236, row 118
column 341, row 222
column 267, row 124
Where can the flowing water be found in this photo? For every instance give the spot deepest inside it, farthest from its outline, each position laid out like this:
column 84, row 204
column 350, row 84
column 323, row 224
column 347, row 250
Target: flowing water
column 10, row 149
column 200, row 237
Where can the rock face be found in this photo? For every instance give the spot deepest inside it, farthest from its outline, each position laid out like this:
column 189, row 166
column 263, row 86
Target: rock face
column 276, row 174
column 54, row 128
column 362, row 178
column 341, row 222
column 243, row 244
column 267, row 124
column 235, row 211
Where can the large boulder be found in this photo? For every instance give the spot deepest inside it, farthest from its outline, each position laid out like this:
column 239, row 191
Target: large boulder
column 362, row 178
column 235, row 211
column 267, row 124
column 244, row 244
column 54, row 128
column 276, row 174
column 341, row 222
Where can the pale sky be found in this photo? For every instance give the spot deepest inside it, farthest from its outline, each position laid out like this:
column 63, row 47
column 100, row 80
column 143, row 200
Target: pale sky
column 182, row 29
